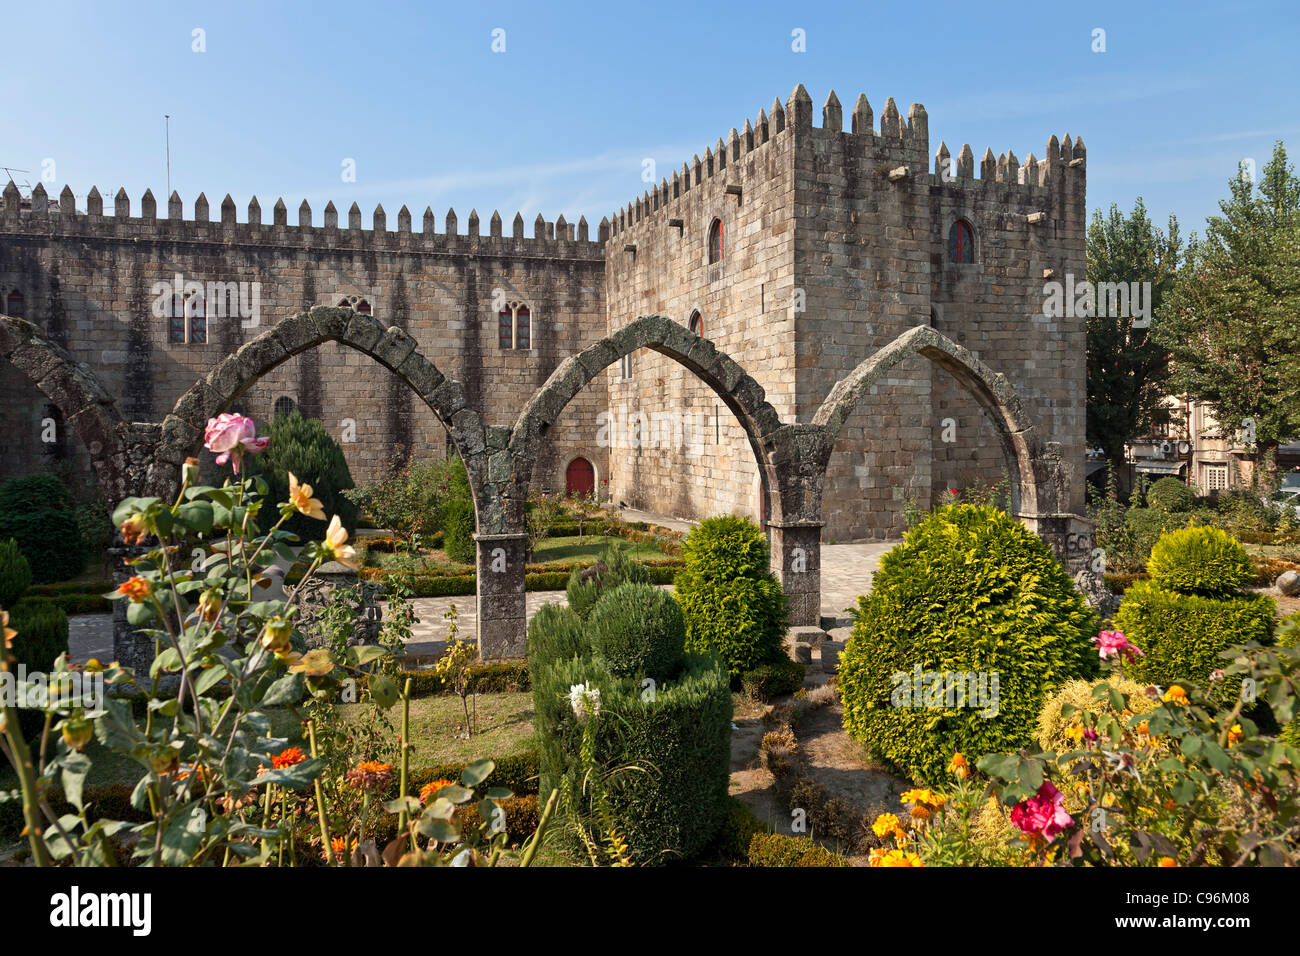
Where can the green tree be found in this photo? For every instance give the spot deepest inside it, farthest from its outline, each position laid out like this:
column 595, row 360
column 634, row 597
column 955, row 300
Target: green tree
column 1127, row 368
column 303, row 446
column 1232, row 321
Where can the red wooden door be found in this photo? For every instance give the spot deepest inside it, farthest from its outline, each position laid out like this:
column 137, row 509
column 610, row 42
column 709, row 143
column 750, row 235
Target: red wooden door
column 579, row 477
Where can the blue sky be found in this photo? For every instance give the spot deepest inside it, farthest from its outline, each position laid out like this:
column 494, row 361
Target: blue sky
column 561, row 121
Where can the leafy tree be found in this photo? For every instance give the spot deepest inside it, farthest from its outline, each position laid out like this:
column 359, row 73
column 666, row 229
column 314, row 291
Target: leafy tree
column 1232, row 321
column 1127, row 368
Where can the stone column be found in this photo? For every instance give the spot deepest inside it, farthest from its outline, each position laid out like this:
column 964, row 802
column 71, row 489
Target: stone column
column 797, row 563
column 502, row 612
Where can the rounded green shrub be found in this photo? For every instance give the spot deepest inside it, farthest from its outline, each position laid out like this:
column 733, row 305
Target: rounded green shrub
column 42, row 636
column 666, row 756
column 49, row 539
column 303, row 446
column 1053, row 726
column 615, row 568
column 970, row 625
column 1202, row 561
column 458, row 526
column 1170, row 495
column 555, row 633
column 15, row 573
column 1182, row 635
column 34, row 493
column 767, row 681
column 732, row 603
column 637, row 630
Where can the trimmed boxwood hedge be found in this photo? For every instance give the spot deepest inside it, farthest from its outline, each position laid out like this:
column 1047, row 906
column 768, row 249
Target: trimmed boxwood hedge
column 680, row 738
column 777, row 849
column 776, row 679
column 970, row 590
column 733, row 604
column 1181, row 635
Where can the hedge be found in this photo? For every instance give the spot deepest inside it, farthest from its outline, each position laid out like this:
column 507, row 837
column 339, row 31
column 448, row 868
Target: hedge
column 738, row 831
column 969, row 593
column 496, row 678
column 457, row 585
column 777, row 679
column 1181, row 635
column 675, row 799
column 777, row 849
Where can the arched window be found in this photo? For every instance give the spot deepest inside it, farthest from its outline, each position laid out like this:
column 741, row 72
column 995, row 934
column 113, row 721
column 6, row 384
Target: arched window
column 515, row 327
column 196, row 311
column 284, row 407
column 187, row 321
column 696, row 324
column 961, row 242
column 356, row 303
column 715, row 242
column 16, row 307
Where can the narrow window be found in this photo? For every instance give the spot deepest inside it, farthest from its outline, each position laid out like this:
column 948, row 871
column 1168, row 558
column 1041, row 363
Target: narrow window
column 176, row 321
column 523, row 328
column 196, row 311
column 961, row 242
column 696, row 324
column 506, row 329
column 284, row 406
column 715, row 242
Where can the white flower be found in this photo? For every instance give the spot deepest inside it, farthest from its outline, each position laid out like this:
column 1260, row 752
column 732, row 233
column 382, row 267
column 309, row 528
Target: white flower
column 585, row 701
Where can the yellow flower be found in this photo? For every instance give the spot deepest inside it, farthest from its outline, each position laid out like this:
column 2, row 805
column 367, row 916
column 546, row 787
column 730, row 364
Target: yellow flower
column 885, row 823
column 900, row 858
column 1075, row 733
column 9, row 632
column 336, row 544
column 276, row 634
column 315, row 663
column 77, row 732
column 134, row 529
column 1168, row 861
column 959, row 766
column 876, row 855
column 1234, row 735
column 300, row 497
column 1175, row 695
column 924, row 797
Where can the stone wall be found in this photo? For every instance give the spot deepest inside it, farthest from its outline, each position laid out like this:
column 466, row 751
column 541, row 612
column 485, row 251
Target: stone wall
column 88, row 280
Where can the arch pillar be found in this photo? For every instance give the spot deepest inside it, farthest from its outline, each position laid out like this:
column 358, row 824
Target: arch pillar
column 797, row 563
column 502, row 604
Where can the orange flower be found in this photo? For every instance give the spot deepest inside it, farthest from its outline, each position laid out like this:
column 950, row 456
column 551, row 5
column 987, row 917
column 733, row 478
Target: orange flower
column 1168, row 861
column 288, row 758
column 136, row 588
column 340, row 846
column 430, row 790
column 900, row 858
column 8, row 631
column 370, row 775
column 920, row 813
column 134, row 530
column 300, row 497
column 1234, row 735
column 959, row 766
column 1175, row 695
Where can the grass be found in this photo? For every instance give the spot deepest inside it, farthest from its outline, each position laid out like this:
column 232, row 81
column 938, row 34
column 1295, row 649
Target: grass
column 504, row 728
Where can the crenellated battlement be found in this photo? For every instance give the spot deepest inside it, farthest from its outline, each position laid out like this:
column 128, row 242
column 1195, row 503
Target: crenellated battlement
column 898, row 148
column 557, row 239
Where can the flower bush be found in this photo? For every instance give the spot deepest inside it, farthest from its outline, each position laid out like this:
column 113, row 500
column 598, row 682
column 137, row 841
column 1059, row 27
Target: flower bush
column 215, row 785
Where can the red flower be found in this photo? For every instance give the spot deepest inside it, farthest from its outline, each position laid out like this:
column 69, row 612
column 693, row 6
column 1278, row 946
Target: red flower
column 288, row 758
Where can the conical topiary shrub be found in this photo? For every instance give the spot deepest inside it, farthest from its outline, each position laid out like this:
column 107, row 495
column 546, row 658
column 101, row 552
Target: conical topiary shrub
column 303, row 446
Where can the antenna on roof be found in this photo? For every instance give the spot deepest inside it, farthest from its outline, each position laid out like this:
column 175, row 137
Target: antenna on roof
column 167, row 139
column 10, row 170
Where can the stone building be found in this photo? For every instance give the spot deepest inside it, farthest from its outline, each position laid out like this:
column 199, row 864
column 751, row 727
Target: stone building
column 797, row 248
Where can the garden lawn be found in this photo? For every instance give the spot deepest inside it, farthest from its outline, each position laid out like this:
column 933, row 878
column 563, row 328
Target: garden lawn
column 504, row 728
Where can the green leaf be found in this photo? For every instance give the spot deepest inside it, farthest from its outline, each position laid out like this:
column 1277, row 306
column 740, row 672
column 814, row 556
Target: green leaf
column 196, row 515
column 456, row 794
column 441, row 831
column 368, row 653
column 209, row 679
column 75, row 768
column 1190, row 745
column 383, row 691
column 476, row 772
column 287, row 690
column 139, row 613
column 409, row 804
column 183, row 836
column 297, row 777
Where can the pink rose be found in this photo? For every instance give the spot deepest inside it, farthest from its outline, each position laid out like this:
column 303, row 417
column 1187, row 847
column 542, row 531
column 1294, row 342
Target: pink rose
column 231, row 436
column 1044, row 813
column 1113, row 644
